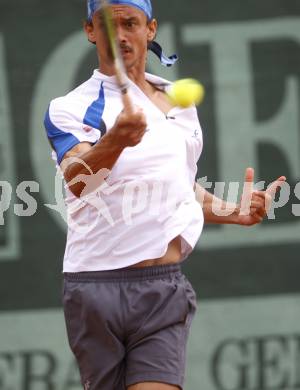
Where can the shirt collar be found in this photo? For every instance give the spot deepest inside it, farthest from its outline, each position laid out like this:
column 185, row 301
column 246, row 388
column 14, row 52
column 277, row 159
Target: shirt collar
column 159, row 82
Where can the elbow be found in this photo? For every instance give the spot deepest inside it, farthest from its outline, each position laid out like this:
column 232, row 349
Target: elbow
column 74, row 185
column 76, row 190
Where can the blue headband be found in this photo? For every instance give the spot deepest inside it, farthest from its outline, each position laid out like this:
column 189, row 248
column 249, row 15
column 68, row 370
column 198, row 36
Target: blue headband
column 145, row 6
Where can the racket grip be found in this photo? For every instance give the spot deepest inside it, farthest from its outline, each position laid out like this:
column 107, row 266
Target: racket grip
column 127, row 103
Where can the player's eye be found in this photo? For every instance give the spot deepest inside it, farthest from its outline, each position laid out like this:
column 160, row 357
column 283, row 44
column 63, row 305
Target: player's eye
column 130, row 23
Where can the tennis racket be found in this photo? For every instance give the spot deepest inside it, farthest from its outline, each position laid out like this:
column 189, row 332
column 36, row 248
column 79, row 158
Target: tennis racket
column 118, row 60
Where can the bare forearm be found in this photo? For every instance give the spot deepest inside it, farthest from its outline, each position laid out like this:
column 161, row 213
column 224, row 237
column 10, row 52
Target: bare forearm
column 85, row 175
column 103, row 155
column 216, row 210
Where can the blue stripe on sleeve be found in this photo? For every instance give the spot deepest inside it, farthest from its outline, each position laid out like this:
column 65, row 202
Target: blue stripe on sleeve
column 93, row 115
column 62, row 142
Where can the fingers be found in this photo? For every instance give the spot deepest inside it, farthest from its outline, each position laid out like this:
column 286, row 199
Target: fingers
column 256, row 204
column 135, row 119
column 129, row 128
column 260, row 211
column 267, row 196
column 258, row 207
column 128, row 105
column 247, row 192
column 257, row 218
column 275, row 186
column 132, row 122
column 249, row 175
column 257, row 210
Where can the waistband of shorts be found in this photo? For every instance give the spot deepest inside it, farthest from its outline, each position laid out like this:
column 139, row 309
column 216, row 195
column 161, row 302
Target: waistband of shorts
column 125, row 274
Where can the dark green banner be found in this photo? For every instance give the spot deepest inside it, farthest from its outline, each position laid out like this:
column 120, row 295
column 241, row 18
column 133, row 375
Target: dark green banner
column 247, row 55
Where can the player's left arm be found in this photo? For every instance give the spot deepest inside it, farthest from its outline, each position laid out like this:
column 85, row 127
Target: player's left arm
column 251, row 210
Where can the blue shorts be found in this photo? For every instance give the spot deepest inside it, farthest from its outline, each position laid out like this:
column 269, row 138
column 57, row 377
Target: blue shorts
column 129, row 326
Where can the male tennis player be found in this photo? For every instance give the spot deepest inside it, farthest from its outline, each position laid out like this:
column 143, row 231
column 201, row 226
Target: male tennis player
column 128, row 308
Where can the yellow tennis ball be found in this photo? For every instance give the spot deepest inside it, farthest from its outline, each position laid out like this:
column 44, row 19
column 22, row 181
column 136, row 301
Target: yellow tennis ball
column 186, row 92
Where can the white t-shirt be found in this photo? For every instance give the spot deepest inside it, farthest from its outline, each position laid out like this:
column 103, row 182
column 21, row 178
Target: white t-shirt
column 148, row 198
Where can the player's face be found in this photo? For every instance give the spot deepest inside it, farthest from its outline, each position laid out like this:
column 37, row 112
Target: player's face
column 133, row 31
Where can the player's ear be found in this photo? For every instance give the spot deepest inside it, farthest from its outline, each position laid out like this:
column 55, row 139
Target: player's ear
column 152, row 29
column 90, row 31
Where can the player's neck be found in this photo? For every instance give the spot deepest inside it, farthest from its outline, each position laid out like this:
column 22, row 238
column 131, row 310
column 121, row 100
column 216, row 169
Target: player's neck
column 135, row 73
column 137, row 76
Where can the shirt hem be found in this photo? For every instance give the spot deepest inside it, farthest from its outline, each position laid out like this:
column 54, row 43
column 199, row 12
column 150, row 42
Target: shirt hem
column 190, row 243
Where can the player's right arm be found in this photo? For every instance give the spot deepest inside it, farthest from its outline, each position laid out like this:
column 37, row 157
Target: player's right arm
column 127, row 131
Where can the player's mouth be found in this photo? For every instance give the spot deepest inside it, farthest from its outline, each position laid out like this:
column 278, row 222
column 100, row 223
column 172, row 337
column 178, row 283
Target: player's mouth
column 125, row 51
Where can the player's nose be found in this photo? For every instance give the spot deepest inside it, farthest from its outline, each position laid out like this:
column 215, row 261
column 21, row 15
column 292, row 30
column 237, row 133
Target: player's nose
column 120, row 34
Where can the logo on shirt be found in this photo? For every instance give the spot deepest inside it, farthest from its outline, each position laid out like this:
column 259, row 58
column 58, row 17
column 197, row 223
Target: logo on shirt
column 196, row 133
column 87, row 129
